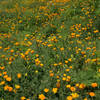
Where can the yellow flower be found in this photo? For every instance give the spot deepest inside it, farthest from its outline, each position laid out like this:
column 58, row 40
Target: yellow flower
column 69, row 59
column 26, row 53
column 8, row 79
column 75, row 95
column 83, row 52
column 5, row 76
column 0, row 74
column 67, row 70
column 12, row 51
column 70, row 67
column 16, row 43
column 60, row 63
column 77, row 84
column 66, row 61
column 64, row 78
column 46, row 90
column 41, row 65
column 62, row 49
column 73, row 35
column 98, row 70
column 20, row 21
column 72, row 88
column 94, row 85
column 6, row 87
column 69, row 98
column 96, row 31
column 9, row 62
column 54, row 48
column 19, row 75
column 82, row 86
column 55, row 64
column 37, row 55
column 4, row 73
column 54, row 90
column 57, row 77
column 92, row 94
column 41, row 97
column 68, row 77
column 10, row 89
column 51, row 74
column 85, row 99
column 2, row 82
column 22, row 98
column 0, row 47
column 64, row 74
column 36, row 71
column 68, row 86
column 17, row 86
column 32, row 51
column 22, row 55
column 49, row 45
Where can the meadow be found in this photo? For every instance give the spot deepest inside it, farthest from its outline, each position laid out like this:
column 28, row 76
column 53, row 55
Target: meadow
column 49, row 49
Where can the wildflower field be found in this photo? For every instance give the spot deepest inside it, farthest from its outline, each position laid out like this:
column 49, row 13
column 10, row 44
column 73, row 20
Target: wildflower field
column 49, row 49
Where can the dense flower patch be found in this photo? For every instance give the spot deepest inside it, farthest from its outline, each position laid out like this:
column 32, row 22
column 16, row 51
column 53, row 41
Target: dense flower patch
column 49, row 50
